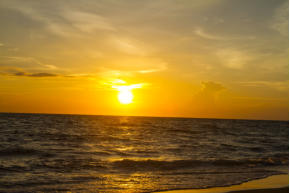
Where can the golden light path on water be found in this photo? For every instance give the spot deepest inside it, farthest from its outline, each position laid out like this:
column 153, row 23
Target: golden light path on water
column 131, row 181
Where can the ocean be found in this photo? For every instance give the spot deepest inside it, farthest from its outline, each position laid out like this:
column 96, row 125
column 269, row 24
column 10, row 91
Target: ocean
column 80, row 153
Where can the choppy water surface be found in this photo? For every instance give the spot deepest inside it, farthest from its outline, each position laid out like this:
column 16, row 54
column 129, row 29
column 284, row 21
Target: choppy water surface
column 55, row 153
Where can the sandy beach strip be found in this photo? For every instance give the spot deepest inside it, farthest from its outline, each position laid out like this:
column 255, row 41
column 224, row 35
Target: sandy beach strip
column 273, row 190
column 272, row 184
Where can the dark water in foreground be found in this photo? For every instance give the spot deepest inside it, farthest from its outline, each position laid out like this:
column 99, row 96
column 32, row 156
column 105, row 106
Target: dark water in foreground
column 55, row 153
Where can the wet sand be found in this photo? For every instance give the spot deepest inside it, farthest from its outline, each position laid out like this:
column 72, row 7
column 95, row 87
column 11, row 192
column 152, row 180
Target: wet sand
column 274, row 190
column 272, row 184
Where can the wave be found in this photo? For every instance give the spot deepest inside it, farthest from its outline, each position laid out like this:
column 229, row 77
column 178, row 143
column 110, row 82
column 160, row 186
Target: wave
column 152, row 165
column 19, row 151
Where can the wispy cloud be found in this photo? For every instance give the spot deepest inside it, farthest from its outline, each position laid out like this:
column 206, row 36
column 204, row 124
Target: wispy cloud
column 201, row 33
column 277, row 85
column 280, row 20
column 233, row 58
column 128, row 46
column 88, row 22
column 76, row 24
column 161, row 67
column 139, row 65
column 25, row 62
column 65, row 21
column 20, row 66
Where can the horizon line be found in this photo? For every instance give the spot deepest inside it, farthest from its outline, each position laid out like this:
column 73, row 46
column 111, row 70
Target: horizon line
column 176, row 117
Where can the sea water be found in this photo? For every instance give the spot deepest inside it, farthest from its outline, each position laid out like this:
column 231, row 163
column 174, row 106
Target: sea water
column 78, row 153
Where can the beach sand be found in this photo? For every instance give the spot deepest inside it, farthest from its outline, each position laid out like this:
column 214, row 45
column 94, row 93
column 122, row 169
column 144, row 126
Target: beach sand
column 272, row 184
column 273, row 190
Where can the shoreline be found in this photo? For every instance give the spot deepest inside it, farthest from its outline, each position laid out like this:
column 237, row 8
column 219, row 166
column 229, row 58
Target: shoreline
column 271, row 184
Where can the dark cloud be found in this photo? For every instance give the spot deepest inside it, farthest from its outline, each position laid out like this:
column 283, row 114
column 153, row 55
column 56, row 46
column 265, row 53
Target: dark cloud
column 39, row 74
column 20, row 72
column 42, row 74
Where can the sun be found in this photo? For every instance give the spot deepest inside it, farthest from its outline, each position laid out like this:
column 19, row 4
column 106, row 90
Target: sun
column 125, row 96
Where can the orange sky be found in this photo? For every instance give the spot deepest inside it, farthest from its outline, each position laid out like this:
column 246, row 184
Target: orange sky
column 191, row 58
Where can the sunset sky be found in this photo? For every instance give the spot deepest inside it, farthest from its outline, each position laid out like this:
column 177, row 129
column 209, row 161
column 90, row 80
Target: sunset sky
column 181, row 58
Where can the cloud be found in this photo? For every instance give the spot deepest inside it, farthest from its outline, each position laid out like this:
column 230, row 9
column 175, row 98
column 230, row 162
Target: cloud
column 76, row 23
column 37, row 75
column 49, row 66
column 207, row 95
column 21, row 73
column 233, row 58
column 211, row 87
column 277, row 85
column 88, row 22
column 23, row 61
column 280, row 20
column 133, row 65
column 160, row 67
column 62, row 19
column 26, row 67
column 128, row 46
column 201, row 33
column 17, row 59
